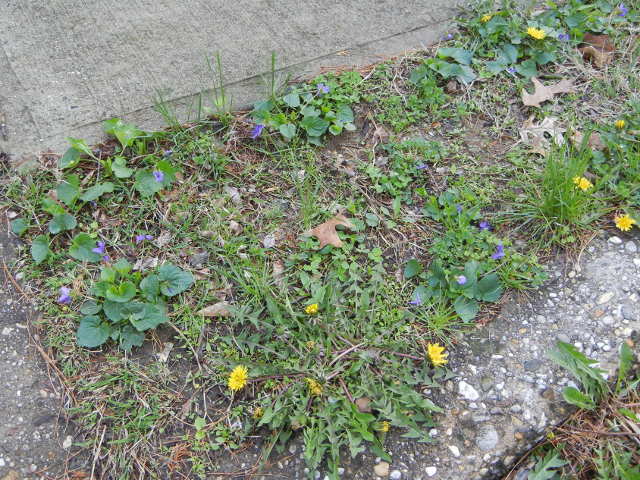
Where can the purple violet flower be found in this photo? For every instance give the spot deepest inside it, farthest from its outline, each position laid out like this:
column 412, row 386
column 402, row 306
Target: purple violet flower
column 499, row 253
column 484, row 225
column 417, row 301
column 143, row 237
column 106, row 258
column 257, row 131
column 448, row 36
column 167, row 153
column 158, row 175
column 511, row 70
column 322, row 89
column 64, row 297
column 564, row 37
column 461, row 279
column 99, row 249
column 459, row 208
column 623, row 10
column 421, row 166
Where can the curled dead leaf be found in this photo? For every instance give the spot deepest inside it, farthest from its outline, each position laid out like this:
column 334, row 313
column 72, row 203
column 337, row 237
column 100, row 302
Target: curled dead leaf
column 220, row 309
column 535, row 135
column 599, row 49
column 363, row 404
column 235, row 227
column 326, row 232
column 594, row 143
column 542, row 92
column 278, row 272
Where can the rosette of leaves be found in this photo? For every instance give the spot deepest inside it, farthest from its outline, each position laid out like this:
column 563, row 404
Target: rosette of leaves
column 128, row 305
column 311, row 110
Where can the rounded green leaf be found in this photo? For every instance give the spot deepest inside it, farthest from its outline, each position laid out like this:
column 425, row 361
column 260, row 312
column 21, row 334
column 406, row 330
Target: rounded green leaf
column 19, row 226
column 152, row 316
column 314, row 126
column 97, row 191
column 62, row 222
column 129, row 337
column 173, row 280
column 412, row 268
column 121, row 293
column 90, row 307
column 40, row 249
column 92, row 332
column 81, row 248
column 466, row 308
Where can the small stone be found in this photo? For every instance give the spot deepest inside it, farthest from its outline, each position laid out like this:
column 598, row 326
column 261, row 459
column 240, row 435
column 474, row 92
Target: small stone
column 68, row 441
column 548, row 394
column 630, row 247
column 381, row 469
column 6, row 331
column 487, row 438
column 615, row 240
column 395, row 475
column 518, row 436
column 455, row 450
column 468, row 392
column 486, row 383
column 431, row 471
column 532, row 365
column 269, row 241
column 515, row 409
column 607, row 320
column 604, row 298
column 563, row 338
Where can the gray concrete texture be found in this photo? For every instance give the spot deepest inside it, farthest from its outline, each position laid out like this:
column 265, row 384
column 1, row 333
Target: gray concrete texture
column 67, row 65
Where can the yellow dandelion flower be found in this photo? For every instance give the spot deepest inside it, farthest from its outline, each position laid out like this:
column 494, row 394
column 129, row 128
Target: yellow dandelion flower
column 314, row 387
column 582, row 183
column 486, row 18
column 624, row 222
column 311, row 309
column 384, row 426
column 311, row 344
column 536, row 33
column 620, row 124
column 436, row 354
column 238, row 378
column 258, row 412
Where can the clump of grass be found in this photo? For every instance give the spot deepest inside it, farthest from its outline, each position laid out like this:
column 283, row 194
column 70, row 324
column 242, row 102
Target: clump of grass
column 554, row 209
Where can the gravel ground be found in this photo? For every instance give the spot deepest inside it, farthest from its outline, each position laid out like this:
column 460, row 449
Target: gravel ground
column 30, row 445
column 506, row 391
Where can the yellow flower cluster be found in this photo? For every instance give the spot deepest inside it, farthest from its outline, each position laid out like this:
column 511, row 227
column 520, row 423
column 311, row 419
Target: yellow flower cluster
column 620, row 124
column 436, row 354
column 582, row 183
column 536, row 33
column 486, row 18
column 258, row 412
column 314, row 387
column 238, row 378
column 624, row 222
column 384, row 426
column 311, row 309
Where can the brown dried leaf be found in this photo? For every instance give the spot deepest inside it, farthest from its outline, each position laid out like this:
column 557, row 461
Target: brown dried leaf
column 363, row 404
column 220, row 309
column 278, row 272
column 594, row 143
column 326, row 232
column 599, row 49
column 542, row 93
column 534, row 134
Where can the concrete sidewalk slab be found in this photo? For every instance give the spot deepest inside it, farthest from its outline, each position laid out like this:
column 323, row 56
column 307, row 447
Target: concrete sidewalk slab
column 67, row 65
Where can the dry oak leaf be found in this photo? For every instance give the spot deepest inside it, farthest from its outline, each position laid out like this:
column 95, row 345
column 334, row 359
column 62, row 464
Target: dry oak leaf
column 594, row 143
column 542, row 93
column 597, row 48
column 535, row 135
column 363, row 404
column 326, row 232
column 220, row 309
